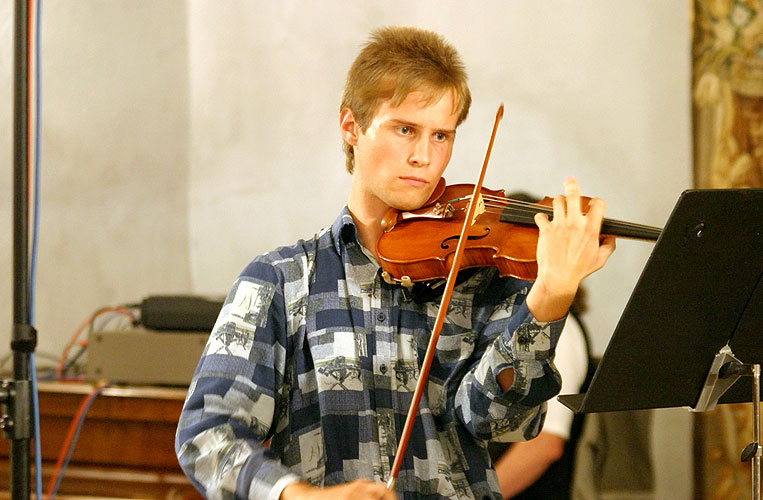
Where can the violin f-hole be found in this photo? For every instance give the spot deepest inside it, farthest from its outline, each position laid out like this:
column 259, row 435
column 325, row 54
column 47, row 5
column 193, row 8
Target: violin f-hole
column 445, row 245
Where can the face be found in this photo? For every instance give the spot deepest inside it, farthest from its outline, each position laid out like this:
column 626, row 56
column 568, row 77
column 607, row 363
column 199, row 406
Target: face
column 402, row 154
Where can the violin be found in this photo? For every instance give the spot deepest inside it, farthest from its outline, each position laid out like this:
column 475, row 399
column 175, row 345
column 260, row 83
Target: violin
column 419, row 245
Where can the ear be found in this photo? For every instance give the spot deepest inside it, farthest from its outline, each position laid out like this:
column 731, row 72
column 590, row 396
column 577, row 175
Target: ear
column 348, row 127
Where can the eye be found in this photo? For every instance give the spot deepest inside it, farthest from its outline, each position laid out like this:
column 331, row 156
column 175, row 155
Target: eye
column 443, row 137
column 404, row 130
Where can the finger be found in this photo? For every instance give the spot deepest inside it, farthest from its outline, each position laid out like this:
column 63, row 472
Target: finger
column 389, row 495
column 541, row 220
column 560, row 210
column 606, row 247
column 596, row 208
column 572, row 192
column 385, row 493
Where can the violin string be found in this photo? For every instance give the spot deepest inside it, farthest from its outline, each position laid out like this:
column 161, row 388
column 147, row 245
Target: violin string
column 528, row 211
column 501, row 201
column 523, row 208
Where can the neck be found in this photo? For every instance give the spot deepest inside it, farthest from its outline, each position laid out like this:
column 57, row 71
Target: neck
column 367, row 216
column 367, row 232
column 368, row 227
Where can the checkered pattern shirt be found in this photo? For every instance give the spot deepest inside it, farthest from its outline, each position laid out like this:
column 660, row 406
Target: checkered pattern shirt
column 315, row 355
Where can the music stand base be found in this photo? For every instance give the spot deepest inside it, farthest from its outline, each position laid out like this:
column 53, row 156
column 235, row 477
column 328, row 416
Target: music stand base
column 724, row 372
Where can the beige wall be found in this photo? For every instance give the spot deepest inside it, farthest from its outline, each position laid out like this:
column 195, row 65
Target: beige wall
column 114, row 224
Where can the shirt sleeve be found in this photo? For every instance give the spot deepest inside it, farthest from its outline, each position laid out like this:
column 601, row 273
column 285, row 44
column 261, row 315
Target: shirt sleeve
column 235, row 394
column 510, row 337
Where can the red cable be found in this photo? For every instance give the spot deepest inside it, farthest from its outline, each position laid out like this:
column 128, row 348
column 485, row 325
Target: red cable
column 81, row 327
column 69, row 436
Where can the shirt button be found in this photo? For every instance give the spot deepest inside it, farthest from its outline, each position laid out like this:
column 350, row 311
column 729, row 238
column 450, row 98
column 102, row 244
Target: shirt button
column 383, row 369
column 380, row 317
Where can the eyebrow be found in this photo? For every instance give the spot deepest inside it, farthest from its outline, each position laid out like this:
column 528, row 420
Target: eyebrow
column 397, row 123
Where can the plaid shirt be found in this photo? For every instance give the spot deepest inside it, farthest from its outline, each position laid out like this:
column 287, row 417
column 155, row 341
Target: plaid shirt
column 314, row 352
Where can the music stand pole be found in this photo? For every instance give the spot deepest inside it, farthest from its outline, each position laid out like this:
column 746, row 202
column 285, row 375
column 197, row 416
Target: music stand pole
column 717, row 384
column 756, row 448
column 724, row 372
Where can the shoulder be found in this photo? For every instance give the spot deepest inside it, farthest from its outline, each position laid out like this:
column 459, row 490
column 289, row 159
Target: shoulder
column 273, row 281
column 288, row 263
column 571, row 357
column 572, row 343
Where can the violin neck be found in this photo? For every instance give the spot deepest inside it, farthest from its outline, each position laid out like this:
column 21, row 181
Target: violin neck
column 608, row 226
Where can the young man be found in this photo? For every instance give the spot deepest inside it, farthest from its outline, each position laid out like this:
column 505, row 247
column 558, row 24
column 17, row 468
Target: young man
column 315, row 354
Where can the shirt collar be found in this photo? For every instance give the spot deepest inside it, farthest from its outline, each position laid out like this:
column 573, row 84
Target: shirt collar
column 344, row 234
column 343, row 231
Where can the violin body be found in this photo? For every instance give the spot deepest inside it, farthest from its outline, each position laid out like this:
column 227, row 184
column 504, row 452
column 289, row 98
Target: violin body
column 421, row 244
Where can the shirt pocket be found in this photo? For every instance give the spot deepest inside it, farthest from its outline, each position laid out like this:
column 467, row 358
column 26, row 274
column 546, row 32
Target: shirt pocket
column 337, row 359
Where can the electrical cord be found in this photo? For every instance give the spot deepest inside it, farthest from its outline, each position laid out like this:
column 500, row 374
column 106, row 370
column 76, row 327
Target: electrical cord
column 35, row 238
column 73, row 360
column 67, row 448
column 88, row 323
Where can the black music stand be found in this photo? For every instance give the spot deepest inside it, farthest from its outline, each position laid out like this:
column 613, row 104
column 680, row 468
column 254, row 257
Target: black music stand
column 694, row 322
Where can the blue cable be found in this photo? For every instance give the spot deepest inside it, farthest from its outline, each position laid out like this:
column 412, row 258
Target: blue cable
column 36, row 217
column 36, row 419
column 33, row 266
column 73, row 443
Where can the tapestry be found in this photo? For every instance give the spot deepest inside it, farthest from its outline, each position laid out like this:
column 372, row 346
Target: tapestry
column 728, row 153
column 728, row 93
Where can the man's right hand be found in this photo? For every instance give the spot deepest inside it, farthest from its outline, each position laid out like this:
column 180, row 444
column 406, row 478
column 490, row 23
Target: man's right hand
column 360, row 489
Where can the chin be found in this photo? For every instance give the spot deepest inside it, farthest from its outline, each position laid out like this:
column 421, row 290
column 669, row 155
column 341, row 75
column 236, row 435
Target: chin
column 411, row 200
column 405, row 205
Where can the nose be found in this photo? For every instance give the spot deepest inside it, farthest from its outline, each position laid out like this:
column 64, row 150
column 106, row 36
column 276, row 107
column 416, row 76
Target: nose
column 421, row 153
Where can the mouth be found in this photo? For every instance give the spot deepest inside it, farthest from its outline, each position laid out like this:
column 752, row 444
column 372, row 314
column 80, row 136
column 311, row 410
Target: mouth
column 414, row 181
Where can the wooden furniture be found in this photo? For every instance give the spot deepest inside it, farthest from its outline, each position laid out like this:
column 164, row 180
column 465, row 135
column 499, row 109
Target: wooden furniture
column 125, row 447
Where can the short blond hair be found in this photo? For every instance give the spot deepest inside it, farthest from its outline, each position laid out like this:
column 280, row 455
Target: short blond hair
column 396, row 61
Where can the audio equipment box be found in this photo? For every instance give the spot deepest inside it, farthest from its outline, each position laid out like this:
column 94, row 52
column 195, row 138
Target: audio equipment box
column 144, row 357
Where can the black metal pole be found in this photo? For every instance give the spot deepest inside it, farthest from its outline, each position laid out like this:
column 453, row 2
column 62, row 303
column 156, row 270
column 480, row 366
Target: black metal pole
column 20, row 167
column 17, row 422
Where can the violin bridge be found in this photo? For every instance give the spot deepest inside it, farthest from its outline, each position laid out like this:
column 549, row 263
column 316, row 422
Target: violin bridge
column 479, row 209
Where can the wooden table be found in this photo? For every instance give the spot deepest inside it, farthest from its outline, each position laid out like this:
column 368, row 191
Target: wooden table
column 125, row 447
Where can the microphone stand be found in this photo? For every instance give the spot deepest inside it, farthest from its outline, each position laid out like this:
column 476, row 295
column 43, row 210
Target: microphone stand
column 15, row 395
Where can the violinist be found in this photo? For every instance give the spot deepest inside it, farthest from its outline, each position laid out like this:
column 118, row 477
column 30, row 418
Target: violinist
column 316, row 355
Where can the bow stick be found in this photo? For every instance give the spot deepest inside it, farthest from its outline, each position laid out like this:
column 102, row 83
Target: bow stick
column 449, row 284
